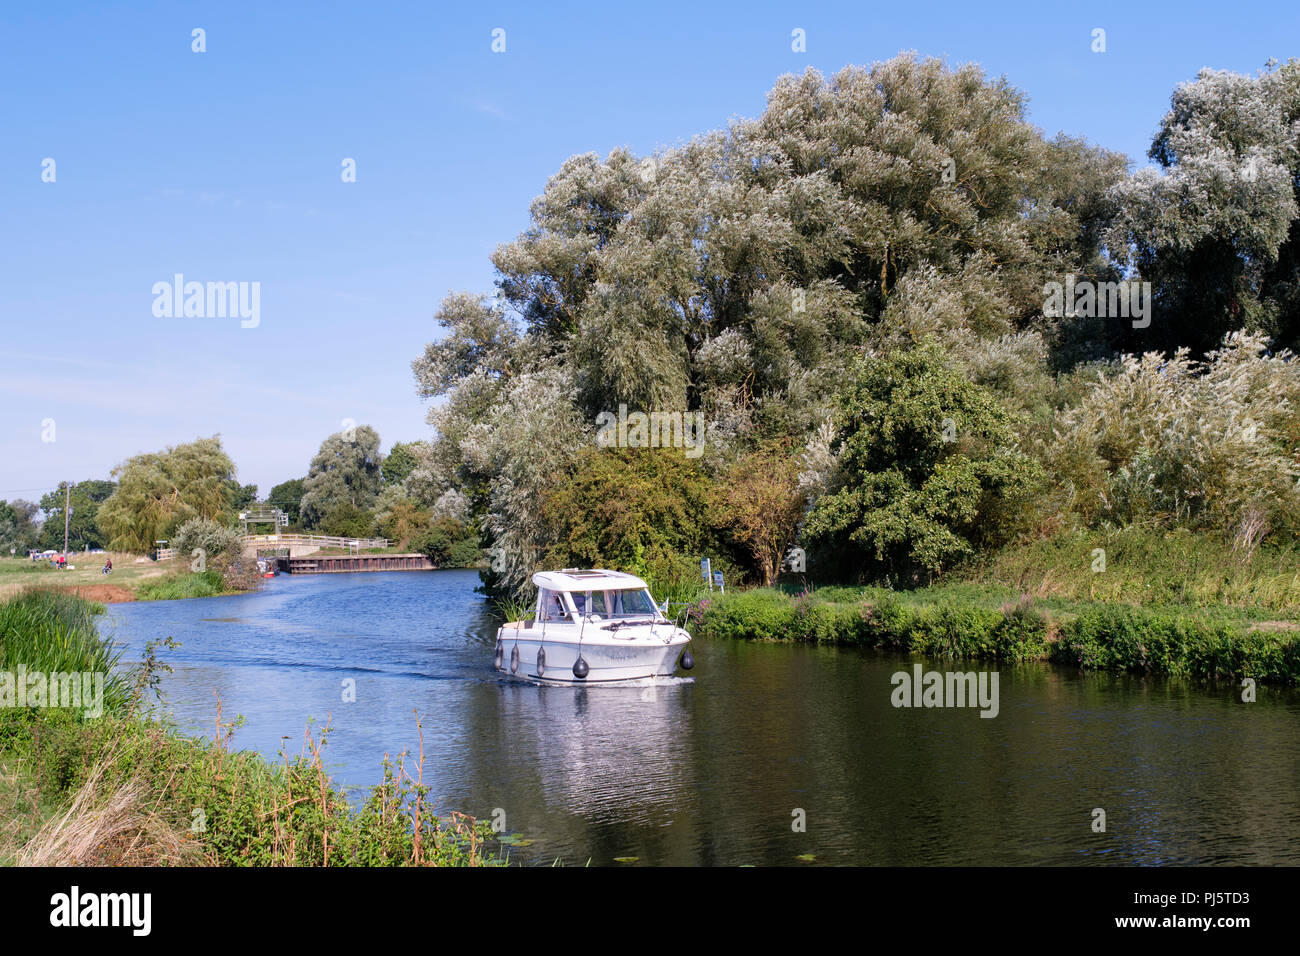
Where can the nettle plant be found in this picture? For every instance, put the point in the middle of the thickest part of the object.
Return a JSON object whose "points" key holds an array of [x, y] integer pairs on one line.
{"points": [[1176, 441]]}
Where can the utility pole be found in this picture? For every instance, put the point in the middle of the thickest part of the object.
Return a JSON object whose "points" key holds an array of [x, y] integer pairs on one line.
{"points": [[67, 511]]}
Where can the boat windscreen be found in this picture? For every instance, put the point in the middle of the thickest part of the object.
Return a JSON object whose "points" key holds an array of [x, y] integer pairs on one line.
{"points": [[629, 603]]}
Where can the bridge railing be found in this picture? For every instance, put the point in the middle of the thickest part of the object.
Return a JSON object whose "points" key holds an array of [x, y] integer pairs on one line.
{"points": [[315, 540]]}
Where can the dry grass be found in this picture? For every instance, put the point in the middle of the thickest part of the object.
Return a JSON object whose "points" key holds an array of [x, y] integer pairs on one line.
{"points": [[22, 812], [109, 826]]}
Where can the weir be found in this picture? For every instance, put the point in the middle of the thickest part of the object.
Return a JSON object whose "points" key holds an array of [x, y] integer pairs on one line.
{"points": [[347, 563]]}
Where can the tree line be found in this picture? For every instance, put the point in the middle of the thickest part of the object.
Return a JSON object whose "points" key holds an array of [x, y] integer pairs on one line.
{"points": [[189, 494], [861, 292]]}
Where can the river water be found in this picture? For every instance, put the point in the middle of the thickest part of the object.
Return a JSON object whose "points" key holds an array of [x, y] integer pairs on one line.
{"points": [[765, 754]]}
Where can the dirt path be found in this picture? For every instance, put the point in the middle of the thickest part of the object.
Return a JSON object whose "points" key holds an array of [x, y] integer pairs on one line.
{"points": [[103, 593]]}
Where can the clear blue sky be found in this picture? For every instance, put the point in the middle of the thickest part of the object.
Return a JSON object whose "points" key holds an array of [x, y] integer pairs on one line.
{"points": [[225, 166]]}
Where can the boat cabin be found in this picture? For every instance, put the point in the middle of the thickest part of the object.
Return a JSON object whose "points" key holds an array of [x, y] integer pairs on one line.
{"points": [[571, 595]]}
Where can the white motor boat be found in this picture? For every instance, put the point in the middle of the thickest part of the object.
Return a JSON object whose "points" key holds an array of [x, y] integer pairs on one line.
{"points": [[592, 627]]}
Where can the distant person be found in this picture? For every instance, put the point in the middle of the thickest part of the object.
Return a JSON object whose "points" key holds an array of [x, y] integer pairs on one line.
{"points": [[108, 565], [63, 563]]}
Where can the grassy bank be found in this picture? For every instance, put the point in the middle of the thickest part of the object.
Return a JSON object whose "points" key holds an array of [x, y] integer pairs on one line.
{"points": [[127, 788], [1147, 567], [84, 575], [133, 579], [1177, 605], [1096, 636]]}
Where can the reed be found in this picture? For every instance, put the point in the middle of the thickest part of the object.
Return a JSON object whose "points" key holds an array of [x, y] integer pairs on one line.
{"points": [[54, 632]]}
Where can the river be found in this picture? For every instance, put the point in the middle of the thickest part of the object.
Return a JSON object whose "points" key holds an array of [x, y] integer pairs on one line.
{"points": [[764, 754]]}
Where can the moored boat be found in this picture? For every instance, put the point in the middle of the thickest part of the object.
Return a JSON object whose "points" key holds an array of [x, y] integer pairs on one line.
{"points": [[589, 627]]}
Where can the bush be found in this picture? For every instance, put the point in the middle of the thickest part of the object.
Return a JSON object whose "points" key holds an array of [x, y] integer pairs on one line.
{"points": [[1021, 634], [465, 553], [433, 543], [346, 520], [928, 471], [750, 615], [209, 548], [1160, 641]]}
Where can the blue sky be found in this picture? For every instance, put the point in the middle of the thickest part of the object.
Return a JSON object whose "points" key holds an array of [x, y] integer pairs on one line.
{"points": [[225, 166]]}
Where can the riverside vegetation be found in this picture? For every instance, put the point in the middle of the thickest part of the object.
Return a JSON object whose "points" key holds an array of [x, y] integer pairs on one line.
{"points": [[128, 788], [1164, 606]]}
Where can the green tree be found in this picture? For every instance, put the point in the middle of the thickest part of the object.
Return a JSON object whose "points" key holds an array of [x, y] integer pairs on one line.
{"points": [[157, 492], [83, 528], [346, 520], [243, 496], [927, 467], [738, 275], [760, 503], [345, 470], [400, 461], [398, 515], [1216, 229], [18, 531], [645, 511]]}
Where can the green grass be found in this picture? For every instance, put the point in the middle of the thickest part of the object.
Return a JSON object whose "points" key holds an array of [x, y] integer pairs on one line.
{"points": [[1147, 567], [24, 809], [54, 632], [195, 584]]}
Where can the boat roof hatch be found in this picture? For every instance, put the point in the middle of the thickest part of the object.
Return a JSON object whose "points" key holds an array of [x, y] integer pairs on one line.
{"points": [[597, 579]]}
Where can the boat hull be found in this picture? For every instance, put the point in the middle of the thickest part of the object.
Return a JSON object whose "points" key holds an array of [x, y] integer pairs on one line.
{"points": [[607, 661]]}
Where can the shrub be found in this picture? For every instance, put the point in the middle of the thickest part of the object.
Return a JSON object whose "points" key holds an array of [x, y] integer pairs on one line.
{"points": [[1021, 634], [750, 615], [928, 471], [465, 553], [434, 543]]}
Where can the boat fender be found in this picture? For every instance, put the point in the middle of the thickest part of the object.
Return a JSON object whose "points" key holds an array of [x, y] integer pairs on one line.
{"points": [[514, 659], [580, 668], [687, 660], [500, 654], [541, 662]]}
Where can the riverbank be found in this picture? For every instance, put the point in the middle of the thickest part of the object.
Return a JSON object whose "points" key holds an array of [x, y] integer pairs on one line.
{"points": [[134, 578], [1178, 605], [123, 787], [958, 623], [84, 576]]}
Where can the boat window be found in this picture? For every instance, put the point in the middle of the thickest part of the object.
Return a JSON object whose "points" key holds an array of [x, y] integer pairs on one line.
{"points": [[599, 604], [631, 603], [551, 606]]}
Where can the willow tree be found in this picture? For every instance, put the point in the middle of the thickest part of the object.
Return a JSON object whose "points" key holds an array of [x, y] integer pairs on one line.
{"points": [[1216, 226], [345, 471], [159, 491]]}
